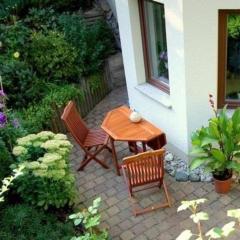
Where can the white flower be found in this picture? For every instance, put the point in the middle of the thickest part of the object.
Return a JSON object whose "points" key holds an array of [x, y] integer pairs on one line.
{"points": [[27, 141], [19, 150], [16, 54], [60, 136], [50, 157], [32, 165], [45, 135]]}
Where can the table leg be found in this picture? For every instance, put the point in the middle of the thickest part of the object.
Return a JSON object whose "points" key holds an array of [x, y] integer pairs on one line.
{"points": [[114, 156]]}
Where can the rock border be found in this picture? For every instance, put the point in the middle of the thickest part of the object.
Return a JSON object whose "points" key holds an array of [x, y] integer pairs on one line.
{"points": [[178, 168]]}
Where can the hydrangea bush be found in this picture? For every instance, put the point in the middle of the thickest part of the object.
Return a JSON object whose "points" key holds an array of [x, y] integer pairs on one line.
{"points": [[47, 180]]}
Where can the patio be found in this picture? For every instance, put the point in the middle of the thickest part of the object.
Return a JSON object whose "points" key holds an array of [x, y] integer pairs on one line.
{"points": [[117, 217]]}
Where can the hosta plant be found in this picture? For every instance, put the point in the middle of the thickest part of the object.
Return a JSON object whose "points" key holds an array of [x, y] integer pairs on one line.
{"points": [[216, 146], [47, 180], [199, 216], [88, 221]]}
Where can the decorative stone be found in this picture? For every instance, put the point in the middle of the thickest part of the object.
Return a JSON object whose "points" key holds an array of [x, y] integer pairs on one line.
{"points": [[193, 177], [169, 157], [206, 178], [181, 176]]}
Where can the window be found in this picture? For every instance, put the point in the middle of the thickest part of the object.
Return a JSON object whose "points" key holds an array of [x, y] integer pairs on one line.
{"points": [[229, 58], [154, 43]]}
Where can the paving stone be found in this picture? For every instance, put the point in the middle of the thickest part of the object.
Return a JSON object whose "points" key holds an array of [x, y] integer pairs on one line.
{"points": [[128, 235], [116, 209]]}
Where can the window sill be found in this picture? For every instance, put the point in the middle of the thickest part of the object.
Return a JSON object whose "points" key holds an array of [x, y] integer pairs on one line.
{"points": [[155, 94]]}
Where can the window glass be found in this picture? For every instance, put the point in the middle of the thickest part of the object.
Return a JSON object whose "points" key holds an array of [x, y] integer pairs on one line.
{"points": [[232, 90], [156, 41]]}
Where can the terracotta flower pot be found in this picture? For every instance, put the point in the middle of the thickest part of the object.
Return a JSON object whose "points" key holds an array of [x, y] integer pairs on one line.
{"points": [[223, 186]]}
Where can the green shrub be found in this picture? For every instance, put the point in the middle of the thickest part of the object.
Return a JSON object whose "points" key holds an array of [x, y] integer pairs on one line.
{"points": [[47, 180], [38, 116], [42, 19], [11, 131], [14, 38], [93, 42], [53, 58], [21, 83], [5, 160], [23, 222]]}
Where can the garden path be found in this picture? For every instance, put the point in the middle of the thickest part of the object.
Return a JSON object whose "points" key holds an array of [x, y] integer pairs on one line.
{"points": [[164, 224]]}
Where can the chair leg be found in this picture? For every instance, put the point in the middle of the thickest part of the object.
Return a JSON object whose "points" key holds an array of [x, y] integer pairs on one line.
{"points": [[166, 194]]}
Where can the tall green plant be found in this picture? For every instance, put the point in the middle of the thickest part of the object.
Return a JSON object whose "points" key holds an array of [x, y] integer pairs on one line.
{"points": [[93, 42], [216, 146]]}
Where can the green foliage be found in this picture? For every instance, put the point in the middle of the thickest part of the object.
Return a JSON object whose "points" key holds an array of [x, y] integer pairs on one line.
{"points": [[216, 146], [47, 180], [14, 38], [234, 26], [5, 160], [7, 181], [21, 83], [23, 222], [198, 217], [90, 220], [38, 116], [52, 57], [11, 131], [93, 42], [42, 19]]}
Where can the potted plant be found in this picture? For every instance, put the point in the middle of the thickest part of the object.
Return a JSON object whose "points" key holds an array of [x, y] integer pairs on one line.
{"points": [[217, 147]]}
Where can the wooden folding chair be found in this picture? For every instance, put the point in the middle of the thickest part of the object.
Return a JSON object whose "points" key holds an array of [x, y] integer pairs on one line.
{"points": [[145, 169], [91, 141]]}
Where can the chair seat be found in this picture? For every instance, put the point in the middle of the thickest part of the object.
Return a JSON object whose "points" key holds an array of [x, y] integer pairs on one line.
{"points": [[95, 137]]}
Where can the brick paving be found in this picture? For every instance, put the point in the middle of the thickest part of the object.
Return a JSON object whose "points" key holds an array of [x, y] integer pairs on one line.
{"points": [[164, 224]]}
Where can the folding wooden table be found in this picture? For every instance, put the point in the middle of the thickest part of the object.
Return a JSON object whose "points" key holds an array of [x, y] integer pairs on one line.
{"points": [[118, 126]]}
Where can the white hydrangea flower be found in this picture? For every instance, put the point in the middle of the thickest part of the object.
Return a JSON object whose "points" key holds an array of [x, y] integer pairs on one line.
{"points": [[40, 173], [33, 165], [56, 144], [44, 135], [50, 157], [27, 141], [60, 136], [19, 150]]}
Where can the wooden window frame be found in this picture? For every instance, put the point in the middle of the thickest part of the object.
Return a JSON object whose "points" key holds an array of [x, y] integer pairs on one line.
{"points": [[163, 86], [222, 59]]}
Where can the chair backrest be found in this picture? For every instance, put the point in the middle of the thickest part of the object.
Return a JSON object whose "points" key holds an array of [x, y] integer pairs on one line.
{"points": [[74, 123], [144, 168]]}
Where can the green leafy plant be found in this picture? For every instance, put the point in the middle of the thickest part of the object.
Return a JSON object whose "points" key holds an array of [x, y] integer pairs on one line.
{"points": [[93, 42], [14, 38], [24, 222], [38, 117], [216, 146], [89, 220], [7, 181], [21, 83], [199, 216], [5, 160], [47, 180], [53, 58], [43, 19]]}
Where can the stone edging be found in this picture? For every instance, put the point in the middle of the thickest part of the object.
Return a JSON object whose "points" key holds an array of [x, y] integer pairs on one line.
{"points": [[178, 168]]}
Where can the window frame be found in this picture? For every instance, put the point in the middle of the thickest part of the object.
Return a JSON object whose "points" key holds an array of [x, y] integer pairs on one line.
{"points": [[149, 78], [222, 58]]}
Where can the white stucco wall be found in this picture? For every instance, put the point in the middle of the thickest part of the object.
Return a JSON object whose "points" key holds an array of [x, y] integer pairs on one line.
{"points": [[192, 39], [172, 121], [201, 55]]}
